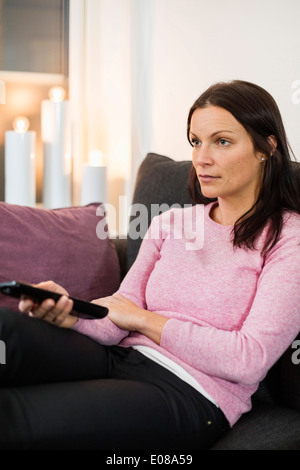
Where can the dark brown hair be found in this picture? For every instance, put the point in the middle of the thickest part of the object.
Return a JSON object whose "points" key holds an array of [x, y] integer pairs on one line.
{"points": [[258, 113]]}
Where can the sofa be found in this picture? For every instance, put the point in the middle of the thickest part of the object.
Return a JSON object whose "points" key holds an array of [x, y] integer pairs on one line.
{"points": [[63, 245]]}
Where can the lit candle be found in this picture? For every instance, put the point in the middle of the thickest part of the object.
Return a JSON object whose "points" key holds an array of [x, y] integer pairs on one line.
{"points": [[56, 137], [20, 186], [94, 179]]}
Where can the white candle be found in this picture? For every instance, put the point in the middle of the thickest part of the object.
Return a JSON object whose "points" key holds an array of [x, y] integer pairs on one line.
{"points": [[20, 185], [94, 180], [56, 137]]}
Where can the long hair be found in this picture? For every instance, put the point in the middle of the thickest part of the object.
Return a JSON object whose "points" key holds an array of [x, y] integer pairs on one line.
{"points": [[258, 113]]}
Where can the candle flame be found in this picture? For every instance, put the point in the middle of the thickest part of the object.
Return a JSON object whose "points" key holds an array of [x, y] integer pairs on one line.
{"points": [[57, 94], [96, 158], [21, 124]]}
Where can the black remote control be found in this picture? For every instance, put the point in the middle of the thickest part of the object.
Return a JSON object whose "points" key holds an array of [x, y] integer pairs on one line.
{"points": [[20, 289]]}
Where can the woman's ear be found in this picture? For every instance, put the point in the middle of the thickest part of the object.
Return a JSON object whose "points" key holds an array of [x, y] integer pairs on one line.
{"points": [[272, 141]]}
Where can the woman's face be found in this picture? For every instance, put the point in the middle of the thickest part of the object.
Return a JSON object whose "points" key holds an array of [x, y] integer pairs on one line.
{"points": [[224, 158]]}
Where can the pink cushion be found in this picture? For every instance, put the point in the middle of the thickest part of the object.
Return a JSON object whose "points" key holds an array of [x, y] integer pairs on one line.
{"points": [[57, 244]]}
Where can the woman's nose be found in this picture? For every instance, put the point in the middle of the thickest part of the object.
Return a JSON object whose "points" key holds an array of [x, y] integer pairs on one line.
{"points": [[202, 156]]}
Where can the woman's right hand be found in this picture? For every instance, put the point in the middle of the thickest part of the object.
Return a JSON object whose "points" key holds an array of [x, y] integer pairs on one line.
{"points": [[56, 313]]}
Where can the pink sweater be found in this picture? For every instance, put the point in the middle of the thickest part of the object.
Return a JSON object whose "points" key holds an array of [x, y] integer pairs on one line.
{"points": [[232, 313]]}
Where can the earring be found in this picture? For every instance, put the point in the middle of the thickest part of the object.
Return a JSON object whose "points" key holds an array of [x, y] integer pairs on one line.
{"points": [[262, 159]]}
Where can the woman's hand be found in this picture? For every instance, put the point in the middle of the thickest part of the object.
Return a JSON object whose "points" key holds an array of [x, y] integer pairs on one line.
{"points": [[57, 313], [127, 315]]}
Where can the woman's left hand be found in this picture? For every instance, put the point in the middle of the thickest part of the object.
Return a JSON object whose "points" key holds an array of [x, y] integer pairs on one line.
{"points": [[122, 311], [129, 316]]}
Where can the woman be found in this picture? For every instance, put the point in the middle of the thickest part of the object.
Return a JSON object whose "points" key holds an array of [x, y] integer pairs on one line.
{"points": [[191, 332]]}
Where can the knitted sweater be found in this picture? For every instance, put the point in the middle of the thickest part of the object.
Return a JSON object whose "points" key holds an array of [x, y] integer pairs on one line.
{"points": [[232, 312]]}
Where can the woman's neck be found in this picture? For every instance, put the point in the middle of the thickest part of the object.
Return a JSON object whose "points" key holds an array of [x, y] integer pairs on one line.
{"points": [[226, 213]]}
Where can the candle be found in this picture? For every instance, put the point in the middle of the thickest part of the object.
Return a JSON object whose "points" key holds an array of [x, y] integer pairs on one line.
{"points": [[94, 180], [56, 138], [20, 185]]}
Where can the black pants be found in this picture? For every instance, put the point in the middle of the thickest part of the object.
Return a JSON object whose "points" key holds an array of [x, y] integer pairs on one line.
{"points": [[61, 390]]}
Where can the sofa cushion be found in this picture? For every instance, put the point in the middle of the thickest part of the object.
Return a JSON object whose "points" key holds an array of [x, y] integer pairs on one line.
{"points": [[282, 384], [285, 377], [161, 182], [265, 427], [58, 244]]}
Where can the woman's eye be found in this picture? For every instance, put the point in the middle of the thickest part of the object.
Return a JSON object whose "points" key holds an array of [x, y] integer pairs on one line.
{"points": [[223, 142], [195, 142]]}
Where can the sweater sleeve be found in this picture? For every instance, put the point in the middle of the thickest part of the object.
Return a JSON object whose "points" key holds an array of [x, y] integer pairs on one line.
{"points": [[135, 282], [133, 287], [272, 324]]}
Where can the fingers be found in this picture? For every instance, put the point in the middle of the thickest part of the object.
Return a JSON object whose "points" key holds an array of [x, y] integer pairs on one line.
{"points": [[44, 309], [52, 286], [110, 298], [26, 305], [48, 310], [103, 301], [55, 312]]}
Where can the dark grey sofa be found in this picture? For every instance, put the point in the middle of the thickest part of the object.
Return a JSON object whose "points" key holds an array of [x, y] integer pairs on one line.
{"points": [[274, 421]]}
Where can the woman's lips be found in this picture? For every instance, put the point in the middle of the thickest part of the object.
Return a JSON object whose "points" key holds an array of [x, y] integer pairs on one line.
{"points": [[207, 178]]}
